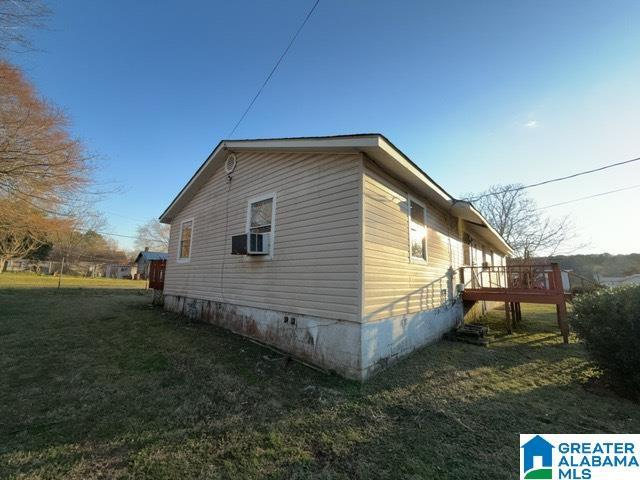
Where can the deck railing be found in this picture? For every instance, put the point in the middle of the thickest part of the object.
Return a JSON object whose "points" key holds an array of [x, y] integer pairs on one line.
{"points": [[515, 284], [513, 277]]}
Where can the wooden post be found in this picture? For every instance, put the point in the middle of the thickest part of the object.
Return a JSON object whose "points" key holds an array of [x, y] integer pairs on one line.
{"points": [[561, 306], [507, 318], [61, 270], [557, 278], [561, 309], [518, 312]]}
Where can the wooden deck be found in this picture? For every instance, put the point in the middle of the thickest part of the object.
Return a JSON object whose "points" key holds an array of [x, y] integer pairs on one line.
{"points": [[516, 284]]}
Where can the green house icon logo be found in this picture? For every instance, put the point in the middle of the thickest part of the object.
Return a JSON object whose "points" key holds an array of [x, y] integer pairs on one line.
{"points": [[537, 447]]}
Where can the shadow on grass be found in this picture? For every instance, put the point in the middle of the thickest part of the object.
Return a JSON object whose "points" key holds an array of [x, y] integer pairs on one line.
{"points": [[98, 381]]}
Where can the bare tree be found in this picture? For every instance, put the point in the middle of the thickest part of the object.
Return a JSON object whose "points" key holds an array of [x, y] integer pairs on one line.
{"points": [[16, 17], [72, 243], [24, 230], [39, 163], [154, 235], [515, 215], [42, 170]]}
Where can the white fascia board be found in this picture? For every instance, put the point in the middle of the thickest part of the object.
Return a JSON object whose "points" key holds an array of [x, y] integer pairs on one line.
{"points": [[407, 165], [168, 214], [468, 212], [327, 144]]}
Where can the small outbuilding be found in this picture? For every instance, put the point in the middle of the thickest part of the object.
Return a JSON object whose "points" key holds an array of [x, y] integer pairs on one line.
{"points": [[143, 262]]}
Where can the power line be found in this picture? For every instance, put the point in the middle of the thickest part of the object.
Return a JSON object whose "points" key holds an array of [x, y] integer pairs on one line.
{"points": [[145, 239], [275, 67], [545, 182], [590, 196], [137, 220], [84, 258], [124, 236], [117, 235]]}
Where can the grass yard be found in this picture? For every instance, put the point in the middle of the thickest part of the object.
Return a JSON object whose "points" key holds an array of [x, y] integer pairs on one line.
{"points": [[31, 280], [96, 383]]}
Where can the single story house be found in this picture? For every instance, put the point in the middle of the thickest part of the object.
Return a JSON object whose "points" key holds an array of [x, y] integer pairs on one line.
{"points": [[143, 262], [339, 250]]}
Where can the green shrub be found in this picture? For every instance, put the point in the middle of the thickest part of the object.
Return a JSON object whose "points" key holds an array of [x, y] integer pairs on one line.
{"points": [[608, 321]]}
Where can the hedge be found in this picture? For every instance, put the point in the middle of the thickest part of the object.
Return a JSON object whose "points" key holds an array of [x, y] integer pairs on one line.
{"points": [[608, 321]]}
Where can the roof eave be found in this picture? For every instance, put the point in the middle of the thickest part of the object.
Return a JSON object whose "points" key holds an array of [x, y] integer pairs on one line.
{"points": [[374, 145], [466, 211]]}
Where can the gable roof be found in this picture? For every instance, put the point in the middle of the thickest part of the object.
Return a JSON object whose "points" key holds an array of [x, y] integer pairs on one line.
{"points": [[374, 145], [148, 256]]}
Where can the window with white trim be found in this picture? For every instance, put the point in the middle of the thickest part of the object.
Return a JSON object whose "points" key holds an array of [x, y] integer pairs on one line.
{"points": [[184, 246], [417, 231], [261, 217]]}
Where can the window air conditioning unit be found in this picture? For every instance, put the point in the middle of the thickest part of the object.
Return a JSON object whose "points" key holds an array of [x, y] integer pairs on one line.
{"points": [[258, 243], [251, 244], [239, 244]]}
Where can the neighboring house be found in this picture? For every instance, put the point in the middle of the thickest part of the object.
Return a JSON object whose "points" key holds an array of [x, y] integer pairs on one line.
{"points": [[339, 250], [17, 265], [21, 265], [618, 281], [117, 270], [143, 261]]}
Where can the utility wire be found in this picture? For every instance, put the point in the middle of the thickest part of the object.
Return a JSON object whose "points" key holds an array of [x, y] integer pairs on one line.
{"points": [[118, 235], [589, 196], [275, 67], [146, 239], [109, 234], [545, 182]]}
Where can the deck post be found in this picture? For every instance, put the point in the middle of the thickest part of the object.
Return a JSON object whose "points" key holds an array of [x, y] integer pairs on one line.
{"points": [[561, 306], [507, 318], [561, 309]]}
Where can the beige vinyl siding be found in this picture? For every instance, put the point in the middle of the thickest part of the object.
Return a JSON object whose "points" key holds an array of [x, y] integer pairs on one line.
{"points": [[315, 269], [394, 284]]}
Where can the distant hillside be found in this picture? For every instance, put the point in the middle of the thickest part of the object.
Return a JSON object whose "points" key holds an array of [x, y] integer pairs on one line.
{"points": [[604, 264]]}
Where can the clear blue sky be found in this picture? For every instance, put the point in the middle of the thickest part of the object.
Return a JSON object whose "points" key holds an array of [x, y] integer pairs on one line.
{"points": [[474, 92]]}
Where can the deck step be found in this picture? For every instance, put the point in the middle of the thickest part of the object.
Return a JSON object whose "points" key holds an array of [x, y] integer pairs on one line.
{"points": [[472, 333]]}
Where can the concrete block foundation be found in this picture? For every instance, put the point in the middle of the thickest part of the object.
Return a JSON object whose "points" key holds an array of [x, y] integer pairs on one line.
{"points": [[352, 349]]}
